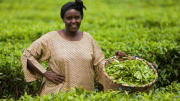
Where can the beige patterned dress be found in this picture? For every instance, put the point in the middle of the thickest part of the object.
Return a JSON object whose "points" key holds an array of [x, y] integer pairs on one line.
{"points": [[75, 60]]}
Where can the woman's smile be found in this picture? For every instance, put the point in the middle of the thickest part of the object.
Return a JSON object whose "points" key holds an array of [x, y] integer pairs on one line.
{"points": [[74, 26]]}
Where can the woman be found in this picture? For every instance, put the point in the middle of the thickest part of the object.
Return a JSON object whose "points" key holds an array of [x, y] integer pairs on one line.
{"points": [[72, 55]]}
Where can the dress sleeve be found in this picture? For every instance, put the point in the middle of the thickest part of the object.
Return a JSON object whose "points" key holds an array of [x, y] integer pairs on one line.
{"points": [[98, 62], [37, 52]]}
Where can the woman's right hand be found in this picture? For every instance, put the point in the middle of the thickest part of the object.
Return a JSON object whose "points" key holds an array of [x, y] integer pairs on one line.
{"points": [[52, 76]]}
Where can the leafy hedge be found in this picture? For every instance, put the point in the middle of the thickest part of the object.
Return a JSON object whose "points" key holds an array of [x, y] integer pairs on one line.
{"points": [[148, 29], [170, 93]]}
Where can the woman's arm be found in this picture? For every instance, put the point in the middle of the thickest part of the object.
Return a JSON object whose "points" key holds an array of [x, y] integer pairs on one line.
{"points": [[37, 52], [32, 68], [52, 76]]}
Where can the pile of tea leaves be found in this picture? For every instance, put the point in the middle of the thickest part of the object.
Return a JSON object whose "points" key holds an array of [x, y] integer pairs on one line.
{"points": [[131, 72]]}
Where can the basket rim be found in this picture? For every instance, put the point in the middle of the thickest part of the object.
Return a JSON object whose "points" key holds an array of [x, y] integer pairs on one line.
{"points": [[142, 86]]}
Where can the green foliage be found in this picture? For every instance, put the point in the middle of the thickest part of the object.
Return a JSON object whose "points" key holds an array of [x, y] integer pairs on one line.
{"points": [[131, 72], [145, 28], [170, 93]]}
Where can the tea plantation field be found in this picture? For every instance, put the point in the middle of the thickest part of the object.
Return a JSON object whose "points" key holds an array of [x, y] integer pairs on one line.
{"points": [[149, 29]]}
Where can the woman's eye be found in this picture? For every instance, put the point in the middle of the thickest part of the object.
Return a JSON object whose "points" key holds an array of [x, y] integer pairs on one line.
{"points": [[68, 18], [77, 17]]}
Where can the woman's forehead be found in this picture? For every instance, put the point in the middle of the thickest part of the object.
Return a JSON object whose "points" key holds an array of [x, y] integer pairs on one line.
{"points": [[72, 12]]}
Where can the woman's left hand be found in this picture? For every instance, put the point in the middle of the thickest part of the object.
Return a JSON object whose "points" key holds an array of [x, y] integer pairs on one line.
{"points": [[119, 54]]}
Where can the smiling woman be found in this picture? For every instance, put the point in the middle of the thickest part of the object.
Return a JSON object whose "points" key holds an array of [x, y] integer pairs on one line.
{"points": [[73, 56]]}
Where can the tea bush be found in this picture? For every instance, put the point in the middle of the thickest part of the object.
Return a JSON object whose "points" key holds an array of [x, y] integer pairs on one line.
{"points": [[145, 28], [170, 93]]}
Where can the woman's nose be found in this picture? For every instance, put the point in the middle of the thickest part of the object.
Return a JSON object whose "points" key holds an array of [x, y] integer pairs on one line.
{"points": [[73, 20]]}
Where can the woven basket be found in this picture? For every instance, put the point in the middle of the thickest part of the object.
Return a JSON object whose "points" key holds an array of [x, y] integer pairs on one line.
{"points": [[110, 85]]}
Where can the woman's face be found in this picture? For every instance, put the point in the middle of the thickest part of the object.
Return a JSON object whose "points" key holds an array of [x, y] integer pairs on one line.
{"points": [[72, 20]]}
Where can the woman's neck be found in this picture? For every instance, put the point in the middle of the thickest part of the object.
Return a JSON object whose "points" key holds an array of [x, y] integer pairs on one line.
{"points": [[70, 34]]}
